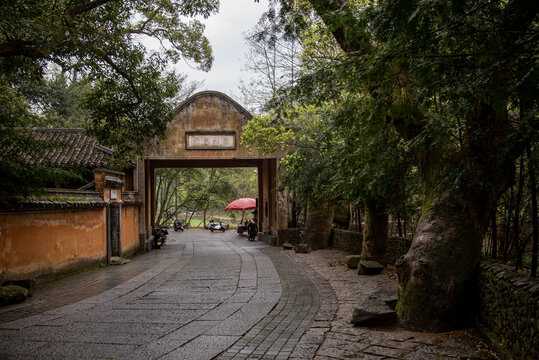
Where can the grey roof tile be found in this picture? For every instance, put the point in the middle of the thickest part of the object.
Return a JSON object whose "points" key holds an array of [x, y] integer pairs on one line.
{"points": [[75, 148]]}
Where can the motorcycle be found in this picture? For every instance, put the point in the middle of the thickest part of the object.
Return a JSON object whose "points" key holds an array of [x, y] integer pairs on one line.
{"points": [[159, 237], [178, 226], [217, 226]]}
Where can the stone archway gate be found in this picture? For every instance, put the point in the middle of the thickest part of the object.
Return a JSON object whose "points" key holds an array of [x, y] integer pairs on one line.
{"points": [[205, 132]]}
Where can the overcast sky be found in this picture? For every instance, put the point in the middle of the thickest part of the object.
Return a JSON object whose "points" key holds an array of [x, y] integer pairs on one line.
{"points": [[224, 31]]}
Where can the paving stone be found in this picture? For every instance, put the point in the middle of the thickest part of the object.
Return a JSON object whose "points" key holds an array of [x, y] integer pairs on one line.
{"points": [[52, 334], [369, 267], [130, 328], [302, 248], [348, 341], [288, 246], [222, 311], [373, 312], [183, 302], [203, 347]]}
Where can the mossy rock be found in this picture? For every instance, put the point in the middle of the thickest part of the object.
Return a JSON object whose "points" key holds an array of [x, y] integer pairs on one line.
{"points": [[302, 248], [352, 261], [28, 284], [11, 294]]}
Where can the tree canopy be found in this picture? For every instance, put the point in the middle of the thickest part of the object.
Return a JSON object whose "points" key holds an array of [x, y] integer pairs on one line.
{"points": [[129, 92], [449, 85]]}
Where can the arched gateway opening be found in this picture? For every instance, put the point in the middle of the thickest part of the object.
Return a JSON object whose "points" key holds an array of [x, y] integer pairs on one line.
{"points": [[205, 133]]}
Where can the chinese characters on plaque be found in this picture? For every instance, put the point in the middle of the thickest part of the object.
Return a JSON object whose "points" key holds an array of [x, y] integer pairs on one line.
{"points": [[210, 141]]}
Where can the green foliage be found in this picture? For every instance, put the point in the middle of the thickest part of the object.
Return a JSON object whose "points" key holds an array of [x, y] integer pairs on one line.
{"points": [[57, 100], [266, 135], [125, 91], [341, 146], [434, 70], [183, 192]]}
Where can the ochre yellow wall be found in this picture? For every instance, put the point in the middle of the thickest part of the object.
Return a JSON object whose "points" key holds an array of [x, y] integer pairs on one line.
{"points": [[34, 244], [130, 227]]}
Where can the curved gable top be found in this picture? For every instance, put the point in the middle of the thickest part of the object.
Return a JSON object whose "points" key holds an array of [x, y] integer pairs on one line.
{"points": [[210, 93], [208, 125]]}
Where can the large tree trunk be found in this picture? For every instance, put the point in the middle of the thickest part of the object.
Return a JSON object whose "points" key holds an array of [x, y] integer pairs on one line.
{"points": [[318, 225], [436, 279], [375, 237]]}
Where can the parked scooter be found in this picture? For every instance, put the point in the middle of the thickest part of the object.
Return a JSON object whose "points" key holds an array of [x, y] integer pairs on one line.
{"points": [[217, 226], [178, 226], [159, 237]]}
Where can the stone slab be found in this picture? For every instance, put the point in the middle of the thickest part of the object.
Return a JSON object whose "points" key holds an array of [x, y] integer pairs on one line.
{"points": [[288, 246], [352, 261], [302, 248], [369, 267], [373, 312]]}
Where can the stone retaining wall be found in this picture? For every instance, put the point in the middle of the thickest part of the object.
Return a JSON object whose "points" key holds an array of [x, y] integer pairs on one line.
{"points": [[349, 241], [294, 235], [396, 247], [508, 308]]}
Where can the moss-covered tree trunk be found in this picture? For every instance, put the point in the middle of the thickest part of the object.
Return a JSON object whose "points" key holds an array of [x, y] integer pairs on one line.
{"points": [[436, 276], [436, 282], [318, 225], [375, 236]]}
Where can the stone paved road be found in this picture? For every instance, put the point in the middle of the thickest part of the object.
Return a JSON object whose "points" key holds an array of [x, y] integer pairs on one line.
{"points": [[208, 295], [217, 296]]}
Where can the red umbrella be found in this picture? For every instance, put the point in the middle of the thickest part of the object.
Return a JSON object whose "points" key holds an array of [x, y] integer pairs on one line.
{"points": [[242, 204]]}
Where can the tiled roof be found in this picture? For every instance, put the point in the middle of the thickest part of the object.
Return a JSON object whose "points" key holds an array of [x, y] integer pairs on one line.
{"points": [[75, 148]]}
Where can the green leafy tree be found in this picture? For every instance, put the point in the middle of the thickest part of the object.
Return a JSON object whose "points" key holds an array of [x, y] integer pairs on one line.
{"points": [[370, 167], [57, 100], [128, 93], [184, 192], [457, 82], [333, 143]]}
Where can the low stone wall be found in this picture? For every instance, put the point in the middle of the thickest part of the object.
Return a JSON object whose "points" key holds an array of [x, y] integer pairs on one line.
{"points": [[508, 308], [396, 247], [349, 241], [294, 235], [268, 239]]}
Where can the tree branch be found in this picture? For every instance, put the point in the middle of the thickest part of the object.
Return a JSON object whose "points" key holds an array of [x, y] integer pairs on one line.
{"points": [[89, 6], [23, 48], [126, 76]]}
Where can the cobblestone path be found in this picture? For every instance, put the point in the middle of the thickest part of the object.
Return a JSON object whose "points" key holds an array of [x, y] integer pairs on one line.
{"points": [[217, 296], [208, 295], [79, 287], [276, 336]]}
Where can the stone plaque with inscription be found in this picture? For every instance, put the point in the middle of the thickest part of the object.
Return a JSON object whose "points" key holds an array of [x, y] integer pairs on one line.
{"points": [[210, 141]]}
